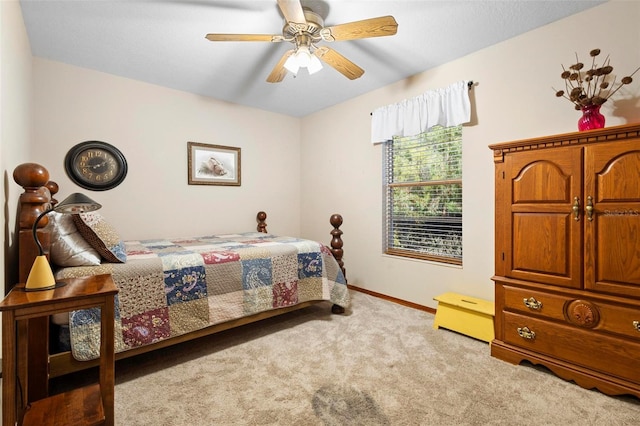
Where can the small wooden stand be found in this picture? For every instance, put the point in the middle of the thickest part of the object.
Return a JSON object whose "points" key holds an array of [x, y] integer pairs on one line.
{"points": [[467, 315], [90, 405]]}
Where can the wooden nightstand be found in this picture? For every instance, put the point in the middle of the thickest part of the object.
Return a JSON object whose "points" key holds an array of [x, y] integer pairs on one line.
{"points": [[88, 405]]}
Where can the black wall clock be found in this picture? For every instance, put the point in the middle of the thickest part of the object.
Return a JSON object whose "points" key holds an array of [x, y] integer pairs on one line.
{"points": [[95, 165]]}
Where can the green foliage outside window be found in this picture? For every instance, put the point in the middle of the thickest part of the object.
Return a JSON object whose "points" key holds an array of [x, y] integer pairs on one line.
{"points": [[423, 191]]}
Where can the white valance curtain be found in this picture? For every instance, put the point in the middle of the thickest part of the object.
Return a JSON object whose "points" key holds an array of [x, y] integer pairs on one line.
{"points": [[449, 106]]}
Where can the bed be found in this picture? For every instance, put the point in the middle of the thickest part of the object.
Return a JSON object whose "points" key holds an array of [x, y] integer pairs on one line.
{"points": [[170, 290]]}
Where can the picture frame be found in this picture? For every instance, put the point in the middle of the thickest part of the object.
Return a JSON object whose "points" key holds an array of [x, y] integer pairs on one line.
{"points": [[213, 164]]}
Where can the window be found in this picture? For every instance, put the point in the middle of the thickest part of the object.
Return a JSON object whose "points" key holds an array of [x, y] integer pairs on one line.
{"points": [[423, 195]]}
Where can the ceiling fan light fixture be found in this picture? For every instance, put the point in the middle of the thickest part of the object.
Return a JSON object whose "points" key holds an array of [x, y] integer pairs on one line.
{"points": [[303, 56], [292, 65], [315, 65]]}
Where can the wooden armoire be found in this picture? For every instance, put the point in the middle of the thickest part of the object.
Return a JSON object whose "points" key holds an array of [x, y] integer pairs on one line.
{"points": [[567, 256]]}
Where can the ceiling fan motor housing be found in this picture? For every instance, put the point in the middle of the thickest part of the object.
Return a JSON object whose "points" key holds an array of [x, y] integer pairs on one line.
{"points": [[312, 27]]}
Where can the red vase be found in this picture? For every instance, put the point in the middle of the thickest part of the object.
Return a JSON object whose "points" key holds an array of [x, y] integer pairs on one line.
{"points": [[591, 118]]}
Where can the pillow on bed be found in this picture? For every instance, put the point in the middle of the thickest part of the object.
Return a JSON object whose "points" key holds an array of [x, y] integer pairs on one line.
{"points": [[68, 247], [102, 236]]}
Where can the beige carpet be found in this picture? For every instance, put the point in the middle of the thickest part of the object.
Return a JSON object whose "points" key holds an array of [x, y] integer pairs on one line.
{"points": [[381, 364]]}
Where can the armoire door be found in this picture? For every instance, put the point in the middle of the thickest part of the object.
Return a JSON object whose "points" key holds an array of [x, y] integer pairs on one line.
{"points": [[544, 217], [612, 236]]}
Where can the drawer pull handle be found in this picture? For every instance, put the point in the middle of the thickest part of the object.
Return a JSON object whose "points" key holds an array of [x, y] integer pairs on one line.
{"points": [[636, 325], [527, 334], [532, 303]]}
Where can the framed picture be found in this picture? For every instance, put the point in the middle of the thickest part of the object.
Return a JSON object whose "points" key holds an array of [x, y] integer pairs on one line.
{"points": [[213, 164]]}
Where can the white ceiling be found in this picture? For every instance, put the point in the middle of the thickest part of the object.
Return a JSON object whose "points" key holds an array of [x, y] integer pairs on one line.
{"points": [[163, 42]]}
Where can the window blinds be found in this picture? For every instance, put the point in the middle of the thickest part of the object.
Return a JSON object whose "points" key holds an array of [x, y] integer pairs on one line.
{"points": [[423, 195]]}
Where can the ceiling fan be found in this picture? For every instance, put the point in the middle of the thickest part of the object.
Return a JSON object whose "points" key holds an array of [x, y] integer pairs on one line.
{"points": [[304, 28]]}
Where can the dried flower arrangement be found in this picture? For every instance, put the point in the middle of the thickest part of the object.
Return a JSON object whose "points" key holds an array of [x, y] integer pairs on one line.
{"points": [[593, 86]]}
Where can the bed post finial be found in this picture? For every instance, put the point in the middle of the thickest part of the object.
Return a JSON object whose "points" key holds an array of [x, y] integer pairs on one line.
{"points": [[336, 249], [336, 241], [262, 225], [33, 201], [53, 190]]}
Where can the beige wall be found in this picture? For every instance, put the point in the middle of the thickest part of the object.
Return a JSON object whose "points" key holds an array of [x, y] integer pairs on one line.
{"points": [[15, 124], [151, 125], [302, 170], [512, 100]]}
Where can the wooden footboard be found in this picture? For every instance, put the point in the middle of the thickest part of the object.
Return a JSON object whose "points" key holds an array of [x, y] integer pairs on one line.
{"points": [[36, 198]]}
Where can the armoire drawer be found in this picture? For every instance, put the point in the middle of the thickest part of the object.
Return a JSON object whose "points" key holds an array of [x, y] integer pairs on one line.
{"points": [[601, 352], [535, 302], [588, 313], [620, 320]]}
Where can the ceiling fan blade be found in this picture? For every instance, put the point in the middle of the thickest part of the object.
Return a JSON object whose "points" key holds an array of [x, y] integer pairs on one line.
{"points": [[279, 71], [244, 37], [374, 27], [292, 11], [339, 62]]}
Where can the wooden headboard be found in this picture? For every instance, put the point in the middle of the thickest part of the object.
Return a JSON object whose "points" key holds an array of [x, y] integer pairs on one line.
{"points": [[39, 194]]}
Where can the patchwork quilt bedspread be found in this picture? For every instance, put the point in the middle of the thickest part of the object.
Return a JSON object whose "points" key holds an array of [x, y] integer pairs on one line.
{"points": [[172, 287]]}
